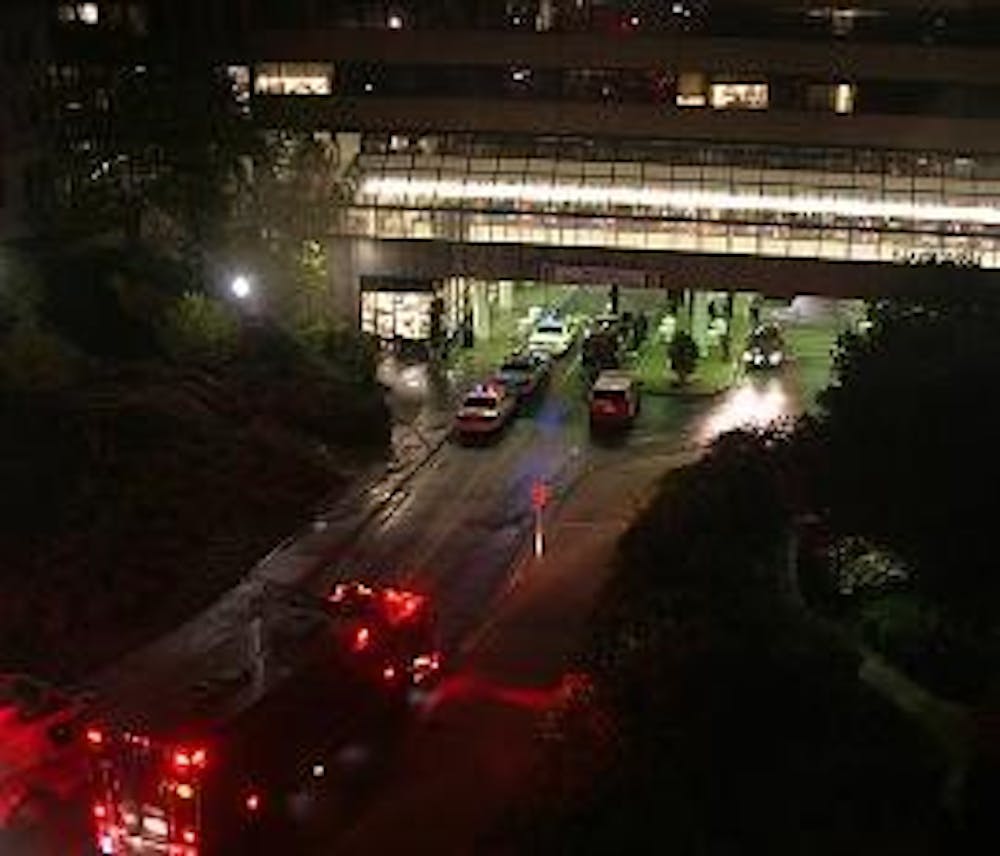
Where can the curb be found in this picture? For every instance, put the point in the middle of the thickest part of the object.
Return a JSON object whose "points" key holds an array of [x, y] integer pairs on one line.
{"points": [[431, 448]]}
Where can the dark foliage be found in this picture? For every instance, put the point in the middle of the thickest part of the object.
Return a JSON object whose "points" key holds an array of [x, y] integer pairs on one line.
{"points": [[742, 728], [909, 427]]}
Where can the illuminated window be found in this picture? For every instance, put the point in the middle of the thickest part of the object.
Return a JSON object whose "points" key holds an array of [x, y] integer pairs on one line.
{"points": [[293, 78], [83, 13], [843, 98], [739, 96], [691, 89]]}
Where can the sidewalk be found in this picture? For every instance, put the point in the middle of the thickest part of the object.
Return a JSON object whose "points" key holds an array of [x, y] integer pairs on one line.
{"points": [[473, 754]]}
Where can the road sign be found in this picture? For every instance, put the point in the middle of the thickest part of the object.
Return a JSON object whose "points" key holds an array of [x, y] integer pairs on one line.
{"points": [[539, 494]]}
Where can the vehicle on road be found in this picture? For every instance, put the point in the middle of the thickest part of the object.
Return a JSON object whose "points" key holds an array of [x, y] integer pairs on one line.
{"points": [[614, 400], [485, 410], [553, 336], [601, 351], [247, 761], [525, 373], [39, 762], [765, 348]]}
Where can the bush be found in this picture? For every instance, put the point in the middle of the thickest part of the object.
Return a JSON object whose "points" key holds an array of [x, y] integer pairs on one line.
{"points": [[200, 330], [32, 359], [683, 353]]}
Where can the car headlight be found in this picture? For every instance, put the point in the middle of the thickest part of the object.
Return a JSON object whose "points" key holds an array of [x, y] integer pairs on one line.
{"points": [[774, 358], [747, 356]]}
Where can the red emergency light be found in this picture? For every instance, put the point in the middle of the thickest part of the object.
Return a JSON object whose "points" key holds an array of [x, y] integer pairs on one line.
{"points": [[187, 760], [362, 638]]}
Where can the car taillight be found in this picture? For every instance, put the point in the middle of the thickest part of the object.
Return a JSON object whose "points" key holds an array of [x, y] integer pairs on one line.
{"points": [[252, 802], [100, 811], [95, 737], [389, 674], [189, 836]]}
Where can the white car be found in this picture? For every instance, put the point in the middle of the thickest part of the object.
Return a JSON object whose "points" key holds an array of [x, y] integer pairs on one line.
{"points": [[551, 336], [485, 410]]}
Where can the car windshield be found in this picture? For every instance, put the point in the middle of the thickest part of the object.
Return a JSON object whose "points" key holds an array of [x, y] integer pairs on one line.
{"points": [[518, 367], [609, 394], [480, 401], [556, 329]]}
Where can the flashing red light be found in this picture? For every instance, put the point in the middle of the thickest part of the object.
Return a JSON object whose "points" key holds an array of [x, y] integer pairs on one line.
{"points": [[189, 836], [95, 737], [389, 673], [100, 811], [185, 760], [361, 639], [185, 791], [400, 606], [253, 802]]}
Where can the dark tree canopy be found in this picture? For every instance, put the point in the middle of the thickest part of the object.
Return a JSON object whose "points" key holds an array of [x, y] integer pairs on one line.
{"points": [[911, 425]]}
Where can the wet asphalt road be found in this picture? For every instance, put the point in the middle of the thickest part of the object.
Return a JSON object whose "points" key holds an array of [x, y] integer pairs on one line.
{"points": [[457, 527]]}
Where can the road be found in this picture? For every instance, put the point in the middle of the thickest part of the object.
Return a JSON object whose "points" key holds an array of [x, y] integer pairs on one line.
{"points": [[459, 527]]}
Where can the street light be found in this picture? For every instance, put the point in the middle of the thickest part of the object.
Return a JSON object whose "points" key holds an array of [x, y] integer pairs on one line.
{"points": [[240, 287]]}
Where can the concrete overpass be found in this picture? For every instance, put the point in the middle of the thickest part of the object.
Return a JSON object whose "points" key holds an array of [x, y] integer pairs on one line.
{"points": [[686, 218]]}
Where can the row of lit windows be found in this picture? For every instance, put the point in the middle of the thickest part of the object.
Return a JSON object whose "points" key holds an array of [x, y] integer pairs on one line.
{"points": [[684, 89], [785, 240], [649, 154]]}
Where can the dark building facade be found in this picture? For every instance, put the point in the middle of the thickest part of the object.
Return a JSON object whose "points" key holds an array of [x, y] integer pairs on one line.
{"points": [[492, 138]]}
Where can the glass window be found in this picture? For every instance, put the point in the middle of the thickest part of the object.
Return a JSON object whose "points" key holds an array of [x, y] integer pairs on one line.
{"points": [[691, 87], [739, 96], [293, 78]]}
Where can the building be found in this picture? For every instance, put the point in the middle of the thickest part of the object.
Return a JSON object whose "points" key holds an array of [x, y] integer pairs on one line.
{"points": [[24, 49], [762, 144]]}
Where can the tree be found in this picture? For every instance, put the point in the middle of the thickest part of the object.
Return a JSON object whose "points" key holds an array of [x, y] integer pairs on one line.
{"points": [[683, 354], [200, 330], [909, 426], [166, 159]]}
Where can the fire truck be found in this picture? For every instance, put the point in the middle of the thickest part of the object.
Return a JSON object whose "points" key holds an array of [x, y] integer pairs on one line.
{"points": [[252, 759]]}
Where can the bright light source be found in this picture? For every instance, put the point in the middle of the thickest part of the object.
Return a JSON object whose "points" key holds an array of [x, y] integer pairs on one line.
{"points": [[843, 98], [189, 836], [395, 21], [665, 197], [389, 673], [634, 21], [100, 811], [185, 791], [87, 13], [369, 87], [318, 771], [361, 639], [240, 287], [520, 75], [253, 802], [95, 737]]}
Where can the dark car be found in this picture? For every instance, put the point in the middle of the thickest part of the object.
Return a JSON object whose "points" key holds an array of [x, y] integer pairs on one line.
{"points": [[765, 348], [525, 373]]}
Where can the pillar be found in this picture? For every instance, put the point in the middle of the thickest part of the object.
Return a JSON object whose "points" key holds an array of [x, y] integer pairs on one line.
{"points": [[345, 285], [699, 319], [506, 294], [481, 321]]}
